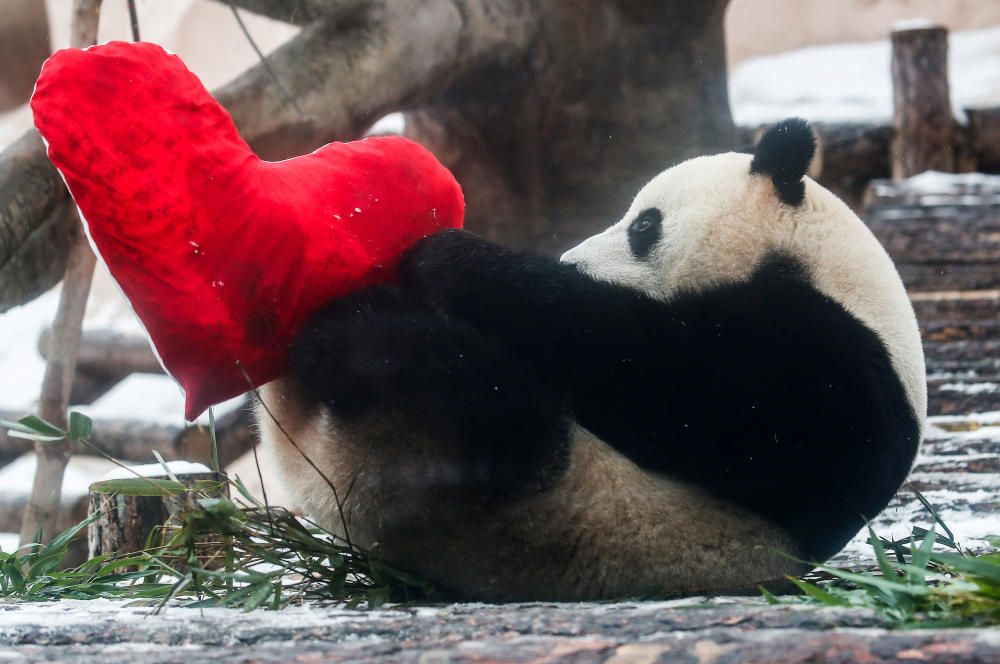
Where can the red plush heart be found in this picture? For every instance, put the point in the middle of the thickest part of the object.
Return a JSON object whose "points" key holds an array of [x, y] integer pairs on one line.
{"points": [[223, 255]]}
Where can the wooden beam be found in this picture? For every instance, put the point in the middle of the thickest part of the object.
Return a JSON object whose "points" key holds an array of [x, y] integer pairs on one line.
{"points": [[109, 352], [943, 231], [133, 440]]}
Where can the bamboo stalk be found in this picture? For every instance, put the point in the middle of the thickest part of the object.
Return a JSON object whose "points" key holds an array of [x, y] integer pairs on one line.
{"points": [[41, 512]]}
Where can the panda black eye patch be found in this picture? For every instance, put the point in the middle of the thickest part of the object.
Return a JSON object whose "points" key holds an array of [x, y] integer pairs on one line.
{"points": [[644, 232]]}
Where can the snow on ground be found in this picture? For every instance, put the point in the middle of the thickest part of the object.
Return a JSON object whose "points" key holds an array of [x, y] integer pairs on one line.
{"points": [[853, 82]]}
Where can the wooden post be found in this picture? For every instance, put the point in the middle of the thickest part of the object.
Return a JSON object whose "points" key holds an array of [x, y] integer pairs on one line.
{"points": [[984, 137], [922, 118]]}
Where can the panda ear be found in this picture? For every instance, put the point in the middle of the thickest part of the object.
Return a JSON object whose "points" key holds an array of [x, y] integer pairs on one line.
{"points": [[784, 154]]}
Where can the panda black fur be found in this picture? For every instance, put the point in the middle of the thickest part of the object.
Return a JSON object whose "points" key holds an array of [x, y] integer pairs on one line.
{"points": [[731, 373]]}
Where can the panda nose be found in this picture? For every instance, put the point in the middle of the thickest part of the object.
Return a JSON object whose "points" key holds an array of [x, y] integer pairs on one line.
{"points": [[571, 256]]}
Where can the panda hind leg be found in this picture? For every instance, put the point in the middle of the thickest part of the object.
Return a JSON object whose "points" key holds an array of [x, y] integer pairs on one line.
{"points": [[415, 382]]}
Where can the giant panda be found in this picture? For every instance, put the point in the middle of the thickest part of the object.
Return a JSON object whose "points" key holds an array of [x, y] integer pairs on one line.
{"points": [[725, 382]]}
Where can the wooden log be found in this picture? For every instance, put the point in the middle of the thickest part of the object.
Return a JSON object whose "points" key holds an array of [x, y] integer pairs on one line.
{"points": [[89, 386], [127, 517], [922, 116], [943, 231], [956, 306], [134, 440], [104, 359], [958, 396], [109, 352], [962, 353], [853, 156]]}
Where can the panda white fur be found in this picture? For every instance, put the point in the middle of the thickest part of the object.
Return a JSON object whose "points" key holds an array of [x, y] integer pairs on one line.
{"points": [[730, 374]]}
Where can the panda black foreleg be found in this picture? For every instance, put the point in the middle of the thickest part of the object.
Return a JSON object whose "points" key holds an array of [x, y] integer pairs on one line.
{"points": [[381, 355]]}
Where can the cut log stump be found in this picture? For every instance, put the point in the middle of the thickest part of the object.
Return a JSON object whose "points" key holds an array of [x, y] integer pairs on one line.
{"points": [[134, 503]]}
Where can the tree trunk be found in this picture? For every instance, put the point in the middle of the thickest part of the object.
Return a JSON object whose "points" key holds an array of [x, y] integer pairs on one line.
{"points": [[925, 128], [551, 146]]}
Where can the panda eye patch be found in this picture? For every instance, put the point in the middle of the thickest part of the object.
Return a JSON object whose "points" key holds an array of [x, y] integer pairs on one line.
{"points": [[644, 232]]}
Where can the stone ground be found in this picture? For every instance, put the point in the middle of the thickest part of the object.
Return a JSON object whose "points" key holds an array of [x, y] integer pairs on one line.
{"points": [[72, 631]]}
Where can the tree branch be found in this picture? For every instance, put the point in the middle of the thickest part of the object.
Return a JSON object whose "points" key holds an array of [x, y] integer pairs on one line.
{"points": [[352, 68], [109, 351], [296, 12], [34, 204], [43, 505]]}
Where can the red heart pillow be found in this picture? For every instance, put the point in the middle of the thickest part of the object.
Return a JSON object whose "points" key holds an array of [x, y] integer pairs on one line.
{"points": [[223, 255]]}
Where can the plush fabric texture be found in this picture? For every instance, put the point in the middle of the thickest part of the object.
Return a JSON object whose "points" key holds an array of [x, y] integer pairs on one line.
{"points": [[221, 254]]}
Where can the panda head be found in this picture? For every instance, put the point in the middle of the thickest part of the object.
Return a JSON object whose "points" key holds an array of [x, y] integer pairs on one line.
{"points": [[709, 219], [713, 220]]}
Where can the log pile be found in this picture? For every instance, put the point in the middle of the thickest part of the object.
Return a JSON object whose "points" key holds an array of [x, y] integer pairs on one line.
{"points": [[943, 232]]}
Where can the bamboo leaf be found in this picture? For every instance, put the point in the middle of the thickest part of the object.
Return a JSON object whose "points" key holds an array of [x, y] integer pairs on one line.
{"points": [[166, 468], [818, 593], [62, 540], [980, 567], [930, 508], [37, 437], [768, 596], [80, 426], [35, 424], [139, 486], [884, 563], [214, 441]]}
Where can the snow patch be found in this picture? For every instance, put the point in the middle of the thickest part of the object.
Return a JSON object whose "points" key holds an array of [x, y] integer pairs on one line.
{"points": [[853, 82], [913, 24], [9, 542], [971, 388], [156, 470]]}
